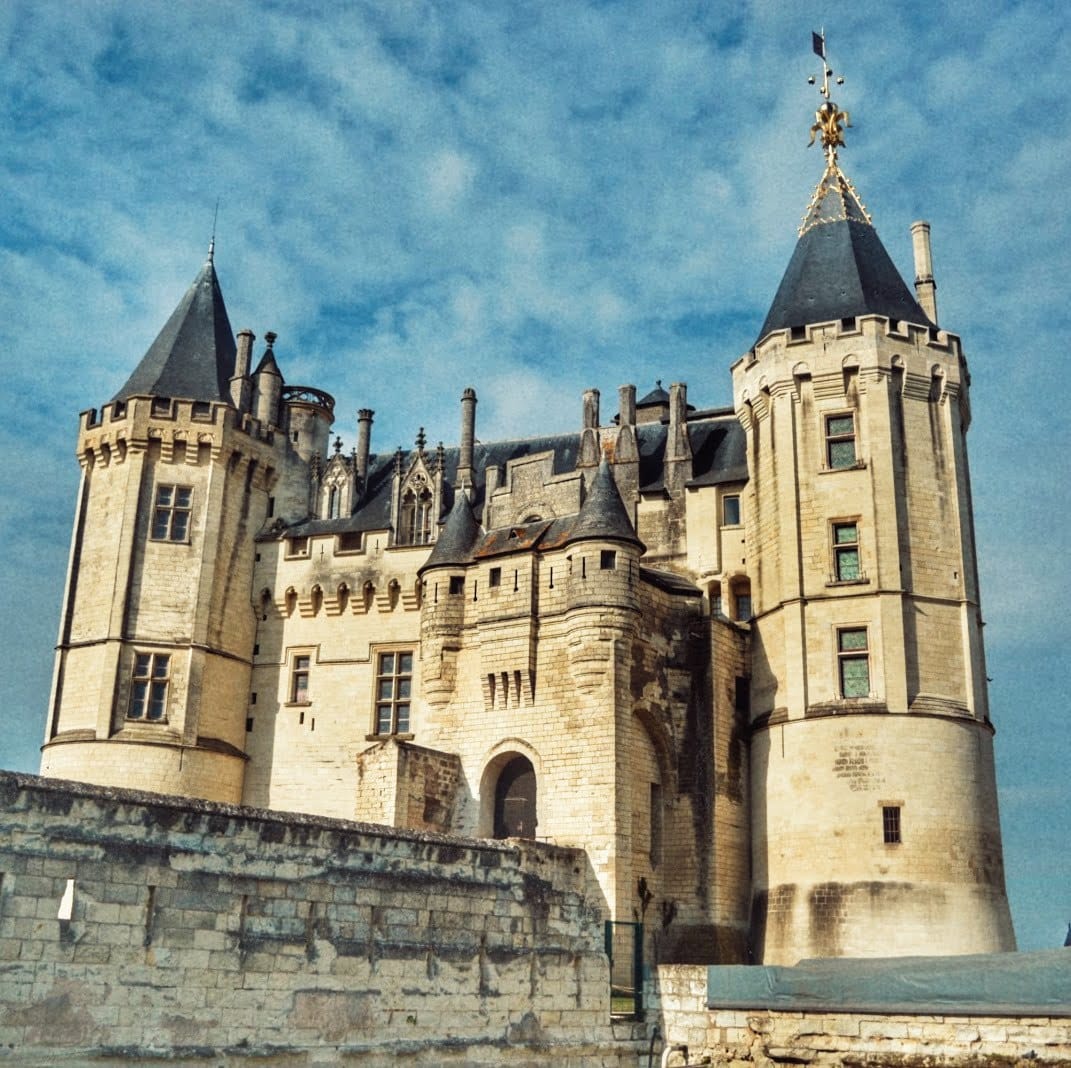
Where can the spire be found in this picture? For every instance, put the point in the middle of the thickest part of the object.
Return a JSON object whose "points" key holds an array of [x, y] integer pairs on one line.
{"points": [[603, 515], [458, 537], [839, 268], [194, 354]]}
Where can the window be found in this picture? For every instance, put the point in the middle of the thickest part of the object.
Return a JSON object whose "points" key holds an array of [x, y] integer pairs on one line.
{"points": [[297, 546], [846, 552], [457, 585], [416, 517], [607, 559], [743, 607], [730, 511], [171, 513], [148, 693], [394, 682], [494, 580], [890, 824], [840, 441], [299, 681], [333, 505], [853, 662]]}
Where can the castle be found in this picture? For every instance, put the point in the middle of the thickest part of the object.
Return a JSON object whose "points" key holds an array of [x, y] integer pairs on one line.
{"points": [[735, 655]]}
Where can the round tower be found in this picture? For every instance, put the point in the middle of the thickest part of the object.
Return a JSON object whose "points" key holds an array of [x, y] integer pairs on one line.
{"points": [[874, 814], [151, 679]]}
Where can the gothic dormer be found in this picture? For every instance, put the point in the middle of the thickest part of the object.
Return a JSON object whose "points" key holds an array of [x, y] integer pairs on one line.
{"points": [[337, 492], [418, 495]]}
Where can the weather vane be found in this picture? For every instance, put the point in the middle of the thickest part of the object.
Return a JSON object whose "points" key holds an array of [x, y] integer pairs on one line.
{"points": [[828, 117]]}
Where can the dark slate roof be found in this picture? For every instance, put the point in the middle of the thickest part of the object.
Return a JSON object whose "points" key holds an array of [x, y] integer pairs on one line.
{"points": [[839, 268], [461, 532], [603, 514], [717, 446], [657, 396], [193, 356]]}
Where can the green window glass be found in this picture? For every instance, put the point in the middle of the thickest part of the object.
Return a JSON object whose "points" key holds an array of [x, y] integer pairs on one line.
{"points": [[840, 441], [853, 662], [846, 552]]}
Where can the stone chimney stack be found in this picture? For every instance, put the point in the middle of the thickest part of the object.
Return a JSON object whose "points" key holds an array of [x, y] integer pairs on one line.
{"points": [[364, 441], [241, 383], [925, 286], [626, 400], [678, 462], [590, 453], [468, 437]]}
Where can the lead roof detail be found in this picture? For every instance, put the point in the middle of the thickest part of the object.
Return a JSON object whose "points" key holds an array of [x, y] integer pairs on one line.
{"points": [[193, 356]]}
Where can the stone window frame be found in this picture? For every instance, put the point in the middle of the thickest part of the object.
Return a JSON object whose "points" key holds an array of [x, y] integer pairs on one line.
{"points": [[150, 687], [841, 550], [834, 437], [892, 822], [726, 508], [172, 513], [607, 559], [298, 682], [848, 654]]}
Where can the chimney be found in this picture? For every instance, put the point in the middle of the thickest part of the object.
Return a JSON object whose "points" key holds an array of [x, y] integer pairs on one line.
{"points": [[241, 384], [925, 286], [590, 453], [468, 436], [626, 400], [364, 440]]}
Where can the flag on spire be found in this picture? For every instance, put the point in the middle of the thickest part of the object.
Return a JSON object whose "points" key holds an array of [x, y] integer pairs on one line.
{"points": [[818, 43]]}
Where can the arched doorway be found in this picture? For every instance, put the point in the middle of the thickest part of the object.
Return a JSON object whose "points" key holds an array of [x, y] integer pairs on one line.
{"points": [[515, 800]]}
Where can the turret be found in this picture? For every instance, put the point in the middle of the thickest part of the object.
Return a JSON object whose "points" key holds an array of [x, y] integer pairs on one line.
{"points": [[152, 661], [874, 812], [267, 385]]}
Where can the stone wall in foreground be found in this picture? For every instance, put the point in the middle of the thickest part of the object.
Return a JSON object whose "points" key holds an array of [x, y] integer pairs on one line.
{"points": [[890, 1040], [204, 933]]}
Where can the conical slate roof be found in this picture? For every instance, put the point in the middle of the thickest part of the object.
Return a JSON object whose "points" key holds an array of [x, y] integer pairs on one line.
{"points": [[458, 537], [839, 268], [603, 514], [194, 355]]}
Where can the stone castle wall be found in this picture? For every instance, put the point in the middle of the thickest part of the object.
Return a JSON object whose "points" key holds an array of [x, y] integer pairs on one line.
{"points": [[199, 930], [894, 1040]]}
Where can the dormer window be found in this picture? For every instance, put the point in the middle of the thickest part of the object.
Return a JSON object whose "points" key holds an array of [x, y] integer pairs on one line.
{"points": [[415, 527]]}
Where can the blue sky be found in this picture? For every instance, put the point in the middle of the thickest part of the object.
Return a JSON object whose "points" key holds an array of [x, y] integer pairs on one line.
{"points": [[535, 198]]}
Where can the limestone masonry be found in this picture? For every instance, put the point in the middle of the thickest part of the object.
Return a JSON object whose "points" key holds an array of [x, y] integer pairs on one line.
{"points": [[729, 660]]}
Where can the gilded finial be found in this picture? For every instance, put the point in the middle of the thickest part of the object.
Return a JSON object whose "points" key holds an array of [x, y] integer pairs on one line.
{"points": [[829, 119]]}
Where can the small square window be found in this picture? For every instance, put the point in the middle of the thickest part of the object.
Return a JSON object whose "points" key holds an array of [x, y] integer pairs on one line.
{"points": [[607, 560], [846, 552], [297, 546], [840, 441], [149, 685], [171, 513], [730, 511], [394, 685], [494, 580], [457, 585], [853, 662], [890, 824]]}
